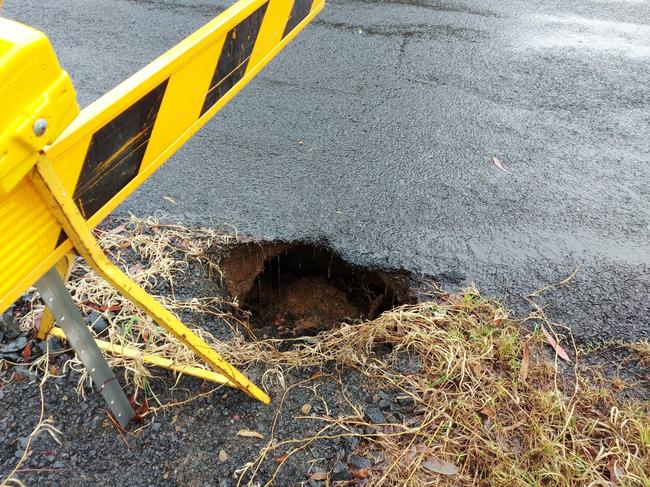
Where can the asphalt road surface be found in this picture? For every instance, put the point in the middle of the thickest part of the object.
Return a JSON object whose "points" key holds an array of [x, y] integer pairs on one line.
{"points": [[376, 129]]}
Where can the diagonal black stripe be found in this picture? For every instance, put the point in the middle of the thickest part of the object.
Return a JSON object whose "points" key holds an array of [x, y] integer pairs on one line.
{"points": [[62, 238], [233, 60], [116, 151], [299, 11]]}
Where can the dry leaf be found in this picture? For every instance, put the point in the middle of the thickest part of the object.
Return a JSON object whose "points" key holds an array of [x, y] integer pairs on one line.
{"points": [[476, 367], [319, 476], [114, 308], [250, 434], [414, 420], [18, 377], [489, 412], [525, 359], [38, 316], [170, 199], [362, 473], [556, 346], [146, 333], [498, 164], [135, 269], [440, 466]]}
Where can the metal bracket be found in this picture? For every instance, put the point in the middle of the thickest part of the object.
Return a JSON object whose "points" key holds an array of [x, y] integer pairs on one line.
{"points": [[155, 360], [60, 303]]}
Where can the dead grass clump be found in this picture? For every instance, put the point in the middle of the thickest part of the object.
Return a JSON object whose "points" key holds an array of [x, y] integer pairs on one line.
{"points": [[642, 351], [154, 255], [490, 405]]}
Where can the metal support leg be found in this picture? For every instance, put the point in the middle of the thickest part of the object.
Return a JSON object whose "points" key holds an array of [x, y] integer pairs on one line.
{"points": [[60, 303], [63, 267]]}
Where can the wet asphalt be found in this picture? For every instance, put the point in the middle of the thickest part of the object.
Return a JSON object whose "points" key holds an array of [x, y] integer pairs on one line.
{"points": [[376, 128]]}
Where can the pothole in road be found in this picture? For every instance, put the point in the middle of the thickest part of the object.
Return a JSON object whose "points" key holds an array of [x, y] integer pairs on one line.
{"points": [[296, 288]]}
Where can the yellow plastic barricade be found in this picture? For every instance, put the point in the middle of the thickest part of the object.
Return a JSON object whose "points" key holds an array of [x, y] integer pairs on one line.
{"points": [[62, 171]]}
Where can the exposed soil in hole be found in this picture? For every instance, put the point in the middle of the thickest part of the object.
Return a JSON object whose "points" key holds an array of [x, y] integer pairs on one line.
{"points": [[300, 289]]}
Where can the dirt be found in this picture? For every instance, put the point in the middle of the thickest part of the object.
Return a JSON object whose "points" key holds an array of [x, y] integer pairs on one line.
{"points": [[294, 288], [243, 263], [307, 304]]}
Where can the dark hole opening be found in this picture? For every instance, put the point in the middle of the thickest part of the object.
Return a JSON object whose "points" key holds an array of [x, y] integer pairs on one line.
{"points": [[298, 289]]}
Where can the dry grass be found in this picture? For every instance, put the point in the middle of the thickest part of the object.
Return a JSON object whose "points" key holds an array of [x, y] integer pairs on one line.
{"points": [[488, 401], [150, 253], [491, 405], [45, 425]]}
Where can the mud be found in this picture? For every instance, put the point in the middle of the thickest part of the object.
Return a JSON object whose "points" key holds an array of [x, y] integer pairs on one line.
{"points": [[297, 288]]}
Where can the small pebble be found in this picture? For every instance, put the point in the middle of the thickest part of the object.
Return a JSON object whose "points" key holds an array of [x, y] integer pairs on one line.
{"points": [[306, 409], [375, 415], [359, 462], [97, 322]]}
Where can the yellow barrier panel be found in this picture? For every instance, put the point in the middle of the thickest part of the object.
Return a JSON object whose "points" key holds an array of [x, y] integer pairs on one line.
{"points": [[37, 99], [122, 138]]}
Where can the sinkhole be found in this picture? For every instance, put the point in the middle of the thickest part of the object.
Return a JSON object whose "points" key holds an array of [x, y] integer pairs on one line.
{"points": [[297, 288]]}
